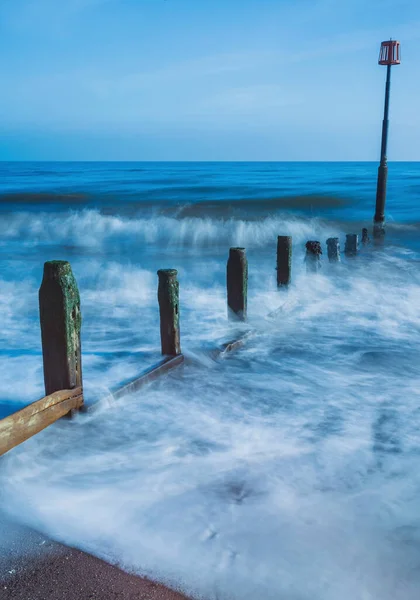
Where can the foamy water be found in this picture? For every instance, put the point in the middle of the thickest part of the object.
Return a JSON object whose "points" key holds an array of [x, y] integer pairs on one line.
{"points": [[286, 470]]}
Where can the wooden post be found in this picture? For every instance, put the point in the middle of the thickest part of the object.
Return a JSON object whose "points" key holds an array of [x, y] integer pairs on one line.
{"points": [[313, 256], [168, 296], [333, 248], [365, 236], [237, 284], [284, 260], [352, 243], [60, 316]]}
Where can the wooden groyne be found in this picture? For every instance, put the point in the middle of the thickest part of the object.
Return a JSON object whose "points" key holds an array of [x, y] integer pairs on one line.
{"points": [[61, 322], [28, 421]]}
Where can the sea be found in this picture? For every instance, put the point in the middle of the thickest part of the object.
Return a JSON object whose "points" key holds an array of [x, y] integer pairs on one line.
{"points": [[286, 470]]}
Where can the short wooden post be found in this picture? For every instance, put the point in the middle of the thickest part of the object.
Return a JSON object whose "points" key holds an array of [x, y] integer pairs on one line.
{"points": [[313, 256], [168, 296], [284, 260], [61, 320], [333, 249], [237, 284], [365, 236], [352, 243]]}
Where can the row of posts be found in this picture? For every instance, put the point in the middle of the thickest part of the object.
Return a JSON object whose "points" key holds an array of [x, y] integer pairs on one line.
{"points": [[237, 266], [351, 248], [61, 319]]}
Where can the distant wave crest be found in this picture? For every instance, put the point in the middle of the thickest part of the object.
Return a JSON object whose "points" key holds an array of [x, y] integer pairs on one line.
{"points": [[185, 201], [89, 228]]}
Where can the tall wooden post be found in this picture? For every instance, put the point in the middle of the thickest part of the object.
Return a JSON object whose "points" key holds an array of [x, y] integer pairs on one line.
{"points": [[237, 284], [60, 316], [284, 260], [333, 249], [313, 256], [168, 296]]}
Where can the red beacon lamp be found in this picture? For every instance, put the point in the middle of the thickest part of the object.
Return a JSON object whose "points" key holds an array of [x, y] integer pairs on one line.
{"points": [[389, 55]]}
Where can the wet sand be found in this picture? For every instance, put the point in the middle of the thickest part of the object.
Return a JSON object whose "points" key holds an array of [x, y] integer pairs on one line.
{"points": [[35, 568]]}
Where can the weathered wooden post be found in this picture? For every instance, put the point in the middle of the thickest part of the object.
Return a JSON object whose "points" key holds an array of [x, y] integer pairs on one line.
{"points": [[284, 260], [333, 249], [313, 256], [352, 243], [237, 284], [168, 296], [365, 236], [60, 316]]}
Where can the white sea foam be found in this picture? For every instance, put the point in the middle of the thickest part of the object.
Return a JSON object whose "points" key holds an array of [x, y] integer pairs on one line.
{"points": [[287, 470], [89, 229]]}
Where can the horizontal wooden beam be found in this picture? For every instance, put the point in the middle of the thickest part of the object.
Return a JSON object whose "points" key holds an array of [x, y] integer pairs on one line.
{"points": [[233, 345], [28, 421], [148, 375]]}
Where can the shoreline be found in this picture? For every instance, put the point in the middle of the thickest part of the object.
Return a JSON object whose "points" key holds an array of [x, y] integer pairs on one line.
{"points": [[38, 568]]}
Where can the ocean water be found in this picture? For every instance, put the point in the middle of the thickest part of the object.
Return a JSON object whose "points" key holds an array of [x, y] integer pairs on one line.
{"points": [[287, 470]]}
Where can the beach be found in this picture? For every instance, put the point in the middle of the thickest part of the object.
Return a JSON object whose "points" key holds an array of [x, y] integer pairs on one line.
{"points": [[36, 568]]}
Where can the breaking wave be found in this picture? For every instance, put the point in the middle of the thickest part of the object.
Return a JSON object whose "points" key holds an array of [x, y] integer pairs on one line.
{"points": [[91, 229]]}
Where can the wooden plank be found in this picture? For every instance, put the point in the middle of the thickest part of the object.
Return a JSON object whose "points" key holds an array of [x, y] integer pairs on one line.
{"points": [[233, 345], [28, 421], [149, 375], [43, 404]]}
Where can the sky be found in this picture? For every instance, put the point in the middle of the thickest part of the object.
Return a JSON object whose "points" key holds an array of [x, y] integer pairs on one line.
{"points": [[206, 79]]}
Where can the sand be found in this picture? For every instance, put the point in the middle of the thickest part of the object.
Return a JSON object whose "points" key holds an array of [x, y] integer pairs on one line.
{"points": [[33, 567]]}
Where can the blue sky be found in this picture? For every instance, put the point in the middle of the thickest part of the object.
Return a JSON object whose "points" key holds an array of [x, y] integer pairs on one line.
{"points": [[206, 79]]}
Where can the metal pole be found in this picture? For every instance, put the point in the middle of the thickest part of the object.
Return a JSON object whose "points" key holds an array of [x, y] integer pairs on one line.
{"points": [[379, 219]]}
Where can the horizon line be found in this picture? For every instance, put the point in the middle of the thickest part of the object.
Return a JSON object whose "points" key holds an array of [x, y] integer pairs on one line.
{"points": [[197, 161]]}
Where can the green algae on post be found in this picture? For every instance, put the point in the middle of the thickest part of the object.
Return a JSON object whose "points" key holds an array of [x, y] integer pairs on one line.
{"points": [[168, 297], [61, 320]]}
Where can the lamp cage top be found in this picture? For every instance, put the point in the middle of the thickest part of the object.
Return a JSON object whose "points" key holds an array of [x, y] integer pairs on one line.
{"points": [[390, 53]]}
